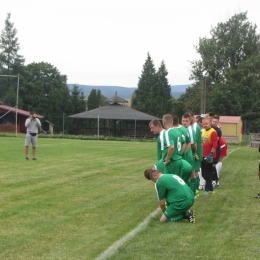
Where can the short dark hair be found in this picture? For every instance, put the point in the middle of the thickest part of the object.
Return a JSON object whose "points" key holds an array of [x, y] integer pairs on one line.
{"points": [[216, 116], [186, 115], [200, 119], [175, 120], [211, 114], [155, 122], [149, 173]]}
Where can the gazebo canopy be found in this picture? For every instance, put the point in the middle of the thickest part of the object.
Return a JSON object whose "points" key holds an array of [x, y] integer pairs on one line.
{"points": [[116, 99], [115, 112]]}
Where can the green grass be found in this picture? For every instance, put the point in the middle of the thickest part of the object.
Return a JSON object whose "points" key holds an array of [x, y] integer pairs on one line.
{"points": [[81, 196]]}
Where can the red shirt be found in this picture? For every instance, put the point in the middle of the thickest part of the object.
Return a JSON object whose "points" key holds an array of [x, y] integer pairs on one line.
{"points": [[209, 141]]}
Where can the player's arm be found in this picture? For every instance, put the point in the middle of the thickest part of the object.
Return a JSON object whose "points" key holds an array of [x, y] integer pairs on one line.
{"points": [[188, 145], [194, 148], [169, 154], [192, 140], [162, 205]]}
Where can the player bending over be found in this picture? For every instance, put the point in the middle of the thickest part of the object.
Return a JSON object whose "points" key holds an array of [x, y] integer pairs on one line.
{"points": [[178, 196]]}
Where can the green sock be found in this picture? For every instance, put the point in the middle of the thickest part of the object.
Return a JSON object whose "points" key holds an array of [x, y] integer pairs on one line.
{"points": [[175, 219]]}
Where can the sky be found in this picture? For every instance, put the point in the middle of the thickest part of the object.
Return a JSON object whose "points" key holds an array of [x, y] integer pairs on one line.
{"points": [[105, 42]]}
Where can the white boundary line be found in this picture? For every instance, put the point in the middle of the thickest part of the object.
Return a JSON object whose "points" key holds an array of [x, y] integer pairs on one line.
{"points": [[114, 247], [231, 152]]}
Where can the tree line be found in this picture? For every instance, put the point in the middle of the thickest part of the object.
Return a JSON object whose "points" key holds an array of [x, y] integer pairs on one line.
{"points": [[42, 88], [225, 77]]}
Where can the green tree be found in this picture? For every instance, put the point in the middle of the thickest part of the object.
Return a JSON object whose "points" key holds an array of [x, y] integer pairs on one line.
{"points": [[39, 81], [43, 89], [153, 95], [229, 61], [78, 102], [162, 92], [230, 43], [77, 105], [11, 63], [143, 97], [93, 101], [103, 101], [240, 95], [189, 101]]}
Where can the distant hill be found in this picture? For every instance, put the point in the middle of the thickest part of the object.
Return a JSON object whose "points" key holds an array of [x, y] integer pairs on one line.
{"points": [[123, 92]]}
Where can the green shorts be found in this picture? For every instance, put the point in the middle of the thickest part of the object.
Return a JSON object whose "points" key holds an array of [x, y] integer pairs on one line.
{"points": [[175, 167], [197, 164], [186, 171], [189, 157], [161, 167], [175, 209]]}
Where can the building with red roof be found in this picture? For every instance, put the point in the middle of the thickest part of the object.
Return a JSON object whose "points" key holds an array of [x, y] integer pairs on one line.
{"points": [[8, 119]]}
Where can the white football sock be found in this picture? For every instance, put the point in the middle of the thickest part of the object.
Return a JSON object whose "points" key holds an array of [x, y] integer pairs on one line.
{"points": [[202, 181], [218, 167]]}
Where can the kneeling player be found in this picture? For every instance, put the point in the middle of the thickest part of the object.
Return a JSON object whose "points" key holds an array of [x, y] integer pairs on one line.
{"points": [[178, 196]]}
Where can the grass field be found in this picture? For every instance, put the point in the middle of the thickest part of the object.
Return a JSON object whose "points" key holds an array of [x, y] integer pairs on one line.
{"points": [[80, 197]]}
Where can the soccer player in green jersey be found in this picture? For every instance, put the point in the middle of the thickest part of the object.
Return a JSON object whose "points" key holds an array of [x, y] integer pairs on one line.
{"points": [[156, 128], [174, 142], [194, 181], [188, 154], [178, 196], [198, 152], [173, 147]]}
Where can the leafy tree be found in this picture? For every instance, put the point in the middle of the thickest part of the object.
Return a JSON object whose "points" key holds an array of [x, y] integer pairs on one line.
{"points": [[240, 95], [230, 64], [230, 43], [39, 81], [44, 90], [11, 62], [189, 101]]}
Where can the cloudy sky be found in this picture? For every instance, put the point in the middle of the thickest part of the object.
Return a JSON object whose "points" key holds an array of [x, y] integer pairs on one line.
{"points": [[105, 42]]}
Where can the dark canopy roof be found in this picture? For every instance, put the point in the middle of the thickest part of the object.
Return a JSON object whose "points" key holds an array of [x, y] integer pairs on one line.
{"points": [[116, 99], [115, 111]]}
